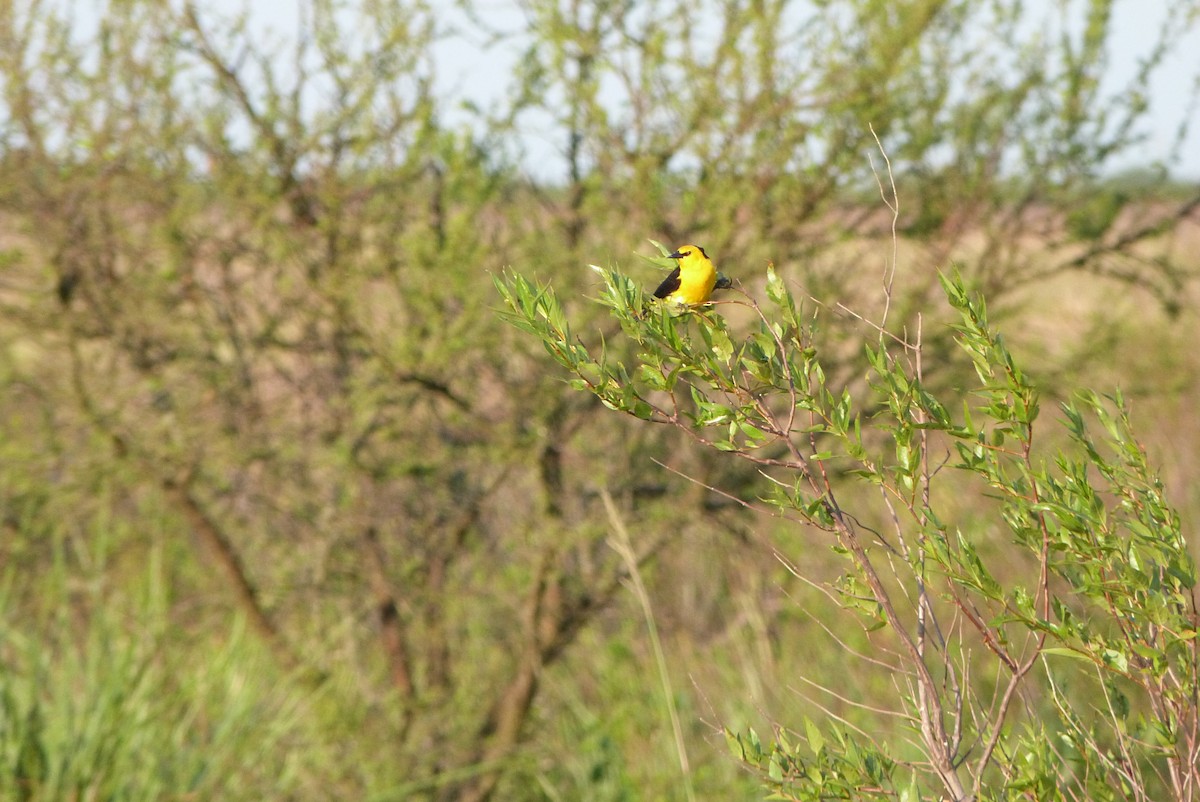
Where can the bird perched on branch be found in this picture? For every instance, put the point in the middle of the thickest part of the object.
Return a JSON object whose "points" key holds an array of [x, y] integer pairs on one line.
{"points": [[693, 279]]}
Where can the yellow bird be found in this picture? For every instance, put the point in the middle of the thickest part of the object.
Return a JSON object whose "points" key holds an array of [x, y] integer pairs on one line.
{"points": [[692, 280]]}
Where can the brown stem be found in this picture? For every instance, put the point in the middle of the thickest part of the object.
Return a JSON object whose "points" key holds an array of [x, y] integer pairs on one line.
{"points": [[552, 620], [391, 627], [206, 529], [230, 564]]}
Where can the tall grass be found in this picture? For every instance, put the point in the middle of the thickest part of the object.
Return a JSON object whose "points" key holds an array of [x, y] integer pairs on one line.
{"points": [[102, 699]]}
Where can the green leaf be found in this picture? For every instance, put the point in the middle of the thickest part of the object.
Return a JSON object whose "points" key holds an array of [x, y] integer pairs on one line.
{"points": [[776, 290], [721, 345], [775, 768], [1115, 660], [912, 793], [816, 741], [1062, 651]]}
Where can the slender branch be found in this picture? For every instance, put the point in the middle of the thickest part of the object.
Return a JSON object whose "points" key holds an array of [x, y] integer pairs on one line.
{"points": [[393, 637], [230, 563], [180, 492]]}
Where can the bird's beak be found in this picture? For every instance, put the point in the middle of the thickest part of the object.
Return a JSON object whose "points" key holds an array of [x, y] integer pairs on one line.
{"points": [[675, 255]]}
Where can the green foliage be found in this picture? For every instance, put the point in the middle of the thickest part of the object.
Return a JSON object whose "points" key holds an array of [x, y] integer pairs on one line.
{"points": [[1112, 585], [111, 707], [247, 325], [835, 768]]}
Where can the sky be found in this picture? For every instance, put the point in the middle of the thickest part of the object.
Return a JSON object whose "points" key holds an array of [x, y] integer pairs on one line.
{"points": [[1136, 26], [467, 70]]}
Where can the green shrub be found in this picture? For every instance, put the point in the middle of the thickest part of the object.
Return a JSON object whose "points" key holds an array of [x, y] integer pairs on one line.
{"points": [[1073, 676]]}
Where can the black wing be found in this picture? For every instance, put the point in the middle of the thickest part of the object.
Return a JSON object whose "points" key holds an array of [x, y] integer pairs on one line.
{"points": [[669, 285]]}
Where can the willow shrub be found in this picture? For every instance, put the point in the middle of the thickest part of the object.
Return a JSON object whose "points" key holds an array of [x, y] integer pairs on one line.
{"points": [[1075, 677]]}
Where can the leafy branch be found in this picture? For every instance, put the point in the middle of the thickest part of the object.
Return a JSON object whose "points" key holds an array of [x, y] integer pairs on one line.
{"points": [[1109, 582]]}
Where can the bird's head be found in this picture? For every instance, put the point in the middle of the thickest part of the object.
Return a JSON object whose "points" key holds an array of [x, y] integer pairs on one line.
{"points": [[684, 251]]}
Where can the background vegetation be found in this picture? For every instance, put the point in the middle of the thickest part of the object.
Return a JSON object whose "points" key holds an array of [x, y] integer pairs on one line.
{"points": [[290, 511]]}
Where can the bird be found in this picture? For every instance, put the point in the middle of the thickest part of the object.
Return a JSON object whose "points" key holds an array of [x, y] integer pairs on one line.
{"points": [[693, 279]]}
